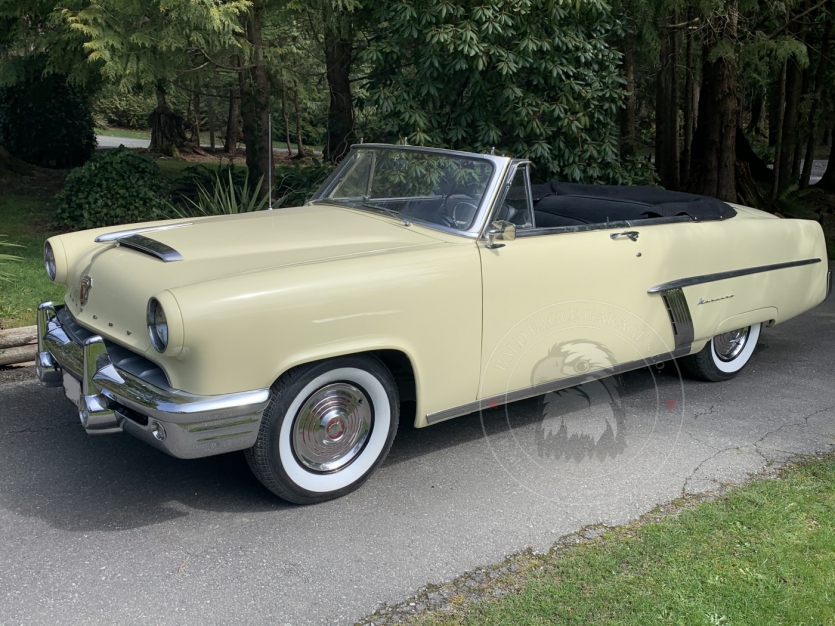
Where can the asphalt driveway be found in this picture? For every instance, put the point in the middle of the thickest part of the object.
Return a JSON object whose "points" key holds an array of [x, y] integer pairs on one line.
{"points": [[107, 530]]}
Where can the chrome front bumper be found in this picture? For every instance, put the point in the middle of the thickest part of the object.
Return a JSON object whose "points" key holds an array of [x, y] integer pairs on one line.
{"points": [[112, 399]]}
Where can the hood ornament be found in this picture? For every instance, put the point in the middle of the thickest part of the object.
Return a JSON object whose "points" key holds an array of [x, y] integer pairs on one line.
{"points": [[84, 290]]}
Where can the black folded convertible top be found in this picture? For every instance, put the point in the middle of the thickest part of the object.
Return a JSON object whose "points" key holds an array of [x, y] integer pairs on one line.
{"points": [[568, 204]]}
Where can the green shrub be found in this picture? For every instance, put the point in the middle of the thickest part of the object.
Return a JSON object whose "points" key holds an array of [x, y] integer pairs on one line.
{"points": [[186, 187], [115, 187], [293, 185], [45, 121], [221, 196], [7, 257]]}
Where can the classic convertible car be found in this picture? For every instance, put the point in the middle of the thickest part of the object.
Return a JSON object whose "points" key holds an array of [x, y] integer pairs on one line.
{"points": [[438, 277]]}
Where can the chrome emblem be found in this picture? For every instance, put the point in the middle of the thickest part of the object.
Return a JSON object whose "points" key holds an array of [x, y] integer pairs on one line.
{"points": [[703, 301], [84, 290]]}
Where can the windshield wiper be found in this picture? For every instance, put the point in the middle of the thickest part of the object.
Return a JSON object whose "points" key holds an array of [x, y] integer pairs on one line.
{"points": [[370, 205], [367, 205]]}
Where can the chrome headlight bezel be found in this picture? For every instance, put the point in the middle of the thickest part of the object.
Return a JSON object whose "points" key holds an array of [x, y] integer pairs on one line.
{"points": [[50, 265], [157, 325]]}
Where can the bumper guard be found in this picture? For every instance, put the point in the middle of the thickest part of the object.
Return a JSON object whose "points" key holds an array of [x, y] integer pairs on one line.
{"points": [[113, 400]]}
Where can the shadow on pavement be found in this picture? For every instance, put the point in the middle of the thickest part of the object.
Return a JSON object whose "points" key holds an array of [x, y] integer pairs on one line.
{"points": [[52, 470]]}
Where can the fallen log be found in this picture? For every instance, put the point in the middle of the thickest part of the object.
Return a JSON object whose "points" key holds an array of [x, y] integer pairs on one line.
{"points": [[12, 356], [16, 337]]}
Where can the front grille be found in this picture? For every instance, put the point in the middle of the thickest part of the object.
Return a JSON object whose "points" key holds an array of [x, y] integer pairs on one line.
{"points": [[122, 358]]}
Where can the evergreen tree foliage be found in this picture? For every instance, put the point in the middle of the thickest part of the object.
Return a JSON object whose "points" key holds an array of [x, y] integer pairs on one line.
{"points": [[534, 78]]}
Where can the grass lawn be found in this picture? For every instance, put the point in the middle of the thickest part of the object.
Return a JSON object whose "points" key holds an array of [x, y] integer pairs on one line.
{"points": [[25, 221], [761, 554]]}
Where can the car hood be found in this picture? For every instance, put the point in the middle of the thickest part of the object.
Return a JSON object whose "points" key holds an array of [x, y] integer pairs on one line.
{"points": [[123, 279]]}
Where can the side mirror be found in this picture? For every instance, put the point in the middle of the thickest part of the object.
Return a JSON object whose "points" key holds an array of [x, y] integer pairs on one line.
{"points": [[500, 230]]}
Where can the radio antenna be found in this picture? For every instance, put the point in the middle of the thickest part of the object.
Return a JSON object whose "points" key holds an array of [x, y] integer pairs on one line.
{"points": [[270, 160]]}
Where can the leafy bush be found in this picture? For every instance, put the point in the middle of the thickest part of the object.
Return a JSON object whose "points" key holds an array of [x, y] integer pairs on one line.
{"points": [[115, 187], [186, 187], [221, 196], [7, 257], [292, 185], [295, 184], [45, 121]]}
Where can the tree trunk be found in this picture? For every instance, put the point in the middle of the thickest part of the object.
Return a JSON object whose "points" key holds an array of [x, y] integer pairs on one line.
{"points": [[828, 180], [168, 135], [232, 127], [255, 105], [817, 97], [195, 136], [689, 111], [755, 123], [339, 47], [794, 83], [802, 124], [286, 120], [662, 159], [628, 115], [673, 127], [778, 123], [713, 164], [300, 152], [776, 102], [667, 150], [210, 112]]}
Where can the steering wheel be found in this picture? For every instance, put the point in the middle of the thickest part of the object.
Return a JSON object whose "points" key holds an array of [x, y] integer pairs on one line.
{"points": [[452, 219]]}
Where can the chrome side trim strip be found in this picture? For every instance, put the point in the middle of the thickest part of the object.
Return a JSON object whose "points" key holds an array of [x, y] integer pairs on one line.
{"points": [[132, 231], [709, 278], [150, 246], [680, 318], [554, 385]]}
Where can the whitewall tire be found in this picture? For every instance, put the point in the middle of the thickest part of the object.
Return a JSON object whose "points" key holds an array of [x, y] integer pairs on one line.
{"points": [[725, 355], [328, 426]]}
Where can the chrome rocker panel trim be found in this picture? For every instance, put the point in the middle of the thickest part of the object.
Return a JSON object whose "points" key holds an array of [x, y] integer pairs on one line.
{"points": [[113, 400], [554, 385]]}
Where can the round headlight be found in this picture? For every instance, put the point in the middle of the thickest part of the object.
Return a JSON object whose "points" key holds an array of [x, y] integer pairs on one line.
{"points": [[157, 325], [49, 261]]}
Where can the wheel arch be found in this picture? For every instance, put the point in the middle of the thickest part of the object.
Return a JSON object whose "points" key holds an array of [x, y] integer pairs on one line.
{"points": [[398, 361]]}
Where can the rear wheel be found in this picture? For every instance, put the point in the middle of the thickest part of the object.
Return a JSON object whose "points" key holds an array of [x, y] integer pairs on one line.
{"points": [[724, 355], [328, 426]]}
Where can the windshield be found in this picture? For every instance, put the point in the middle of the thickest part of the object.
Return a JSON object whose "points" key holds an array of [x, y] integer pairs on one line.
{"points": [[428, 187]]}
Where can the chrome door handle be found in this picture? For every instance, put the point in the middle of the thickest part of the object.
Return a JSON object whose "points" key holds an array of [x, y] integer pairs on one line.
{"points": [[632, 235]]}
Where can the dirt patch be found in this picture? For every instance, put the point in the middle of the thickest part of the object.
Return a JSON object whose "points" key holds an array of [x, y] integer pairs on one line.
{"points": [[17, 373]]}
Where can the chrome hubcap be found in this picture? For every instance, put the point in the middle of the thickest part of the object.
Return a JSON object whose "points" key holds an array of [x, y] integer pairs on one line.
{"points": [[728, 346], [332, 427]]}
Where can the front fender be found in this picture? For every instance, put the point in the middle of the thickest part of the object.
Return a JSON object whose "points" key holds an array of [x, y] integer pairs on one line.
{"points": [[243, 332]]}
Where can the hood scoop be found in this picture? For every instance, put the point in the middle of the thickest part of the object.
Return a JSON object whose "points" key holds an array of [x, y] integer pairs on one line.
{"points": [[151, 247]]}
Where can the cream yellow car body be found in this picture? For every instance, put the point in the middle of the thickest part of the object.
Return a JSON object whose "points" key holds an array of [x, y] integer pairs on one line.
{"points": [[256, 295]]}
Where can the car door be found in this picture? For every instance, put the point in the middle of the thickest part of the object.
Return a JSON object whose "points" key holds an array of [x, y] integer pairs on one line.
{"points": [[561, 306]]}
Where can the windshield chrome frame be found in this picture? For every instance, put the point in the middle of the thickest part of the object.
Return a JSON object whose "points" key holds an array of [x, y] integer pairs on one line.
{"points": [[485, 207]]}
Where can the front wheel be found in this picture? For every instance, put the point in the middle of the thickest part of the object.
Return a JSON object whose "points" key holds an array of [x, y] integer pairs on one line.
{"points": [[724, 355], [328, 426]]}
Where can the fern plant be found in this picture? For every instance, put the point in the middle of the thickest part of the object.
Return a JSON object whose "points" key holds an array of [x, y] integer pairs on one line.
{"points": [[223, 197], [7, 257]]}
